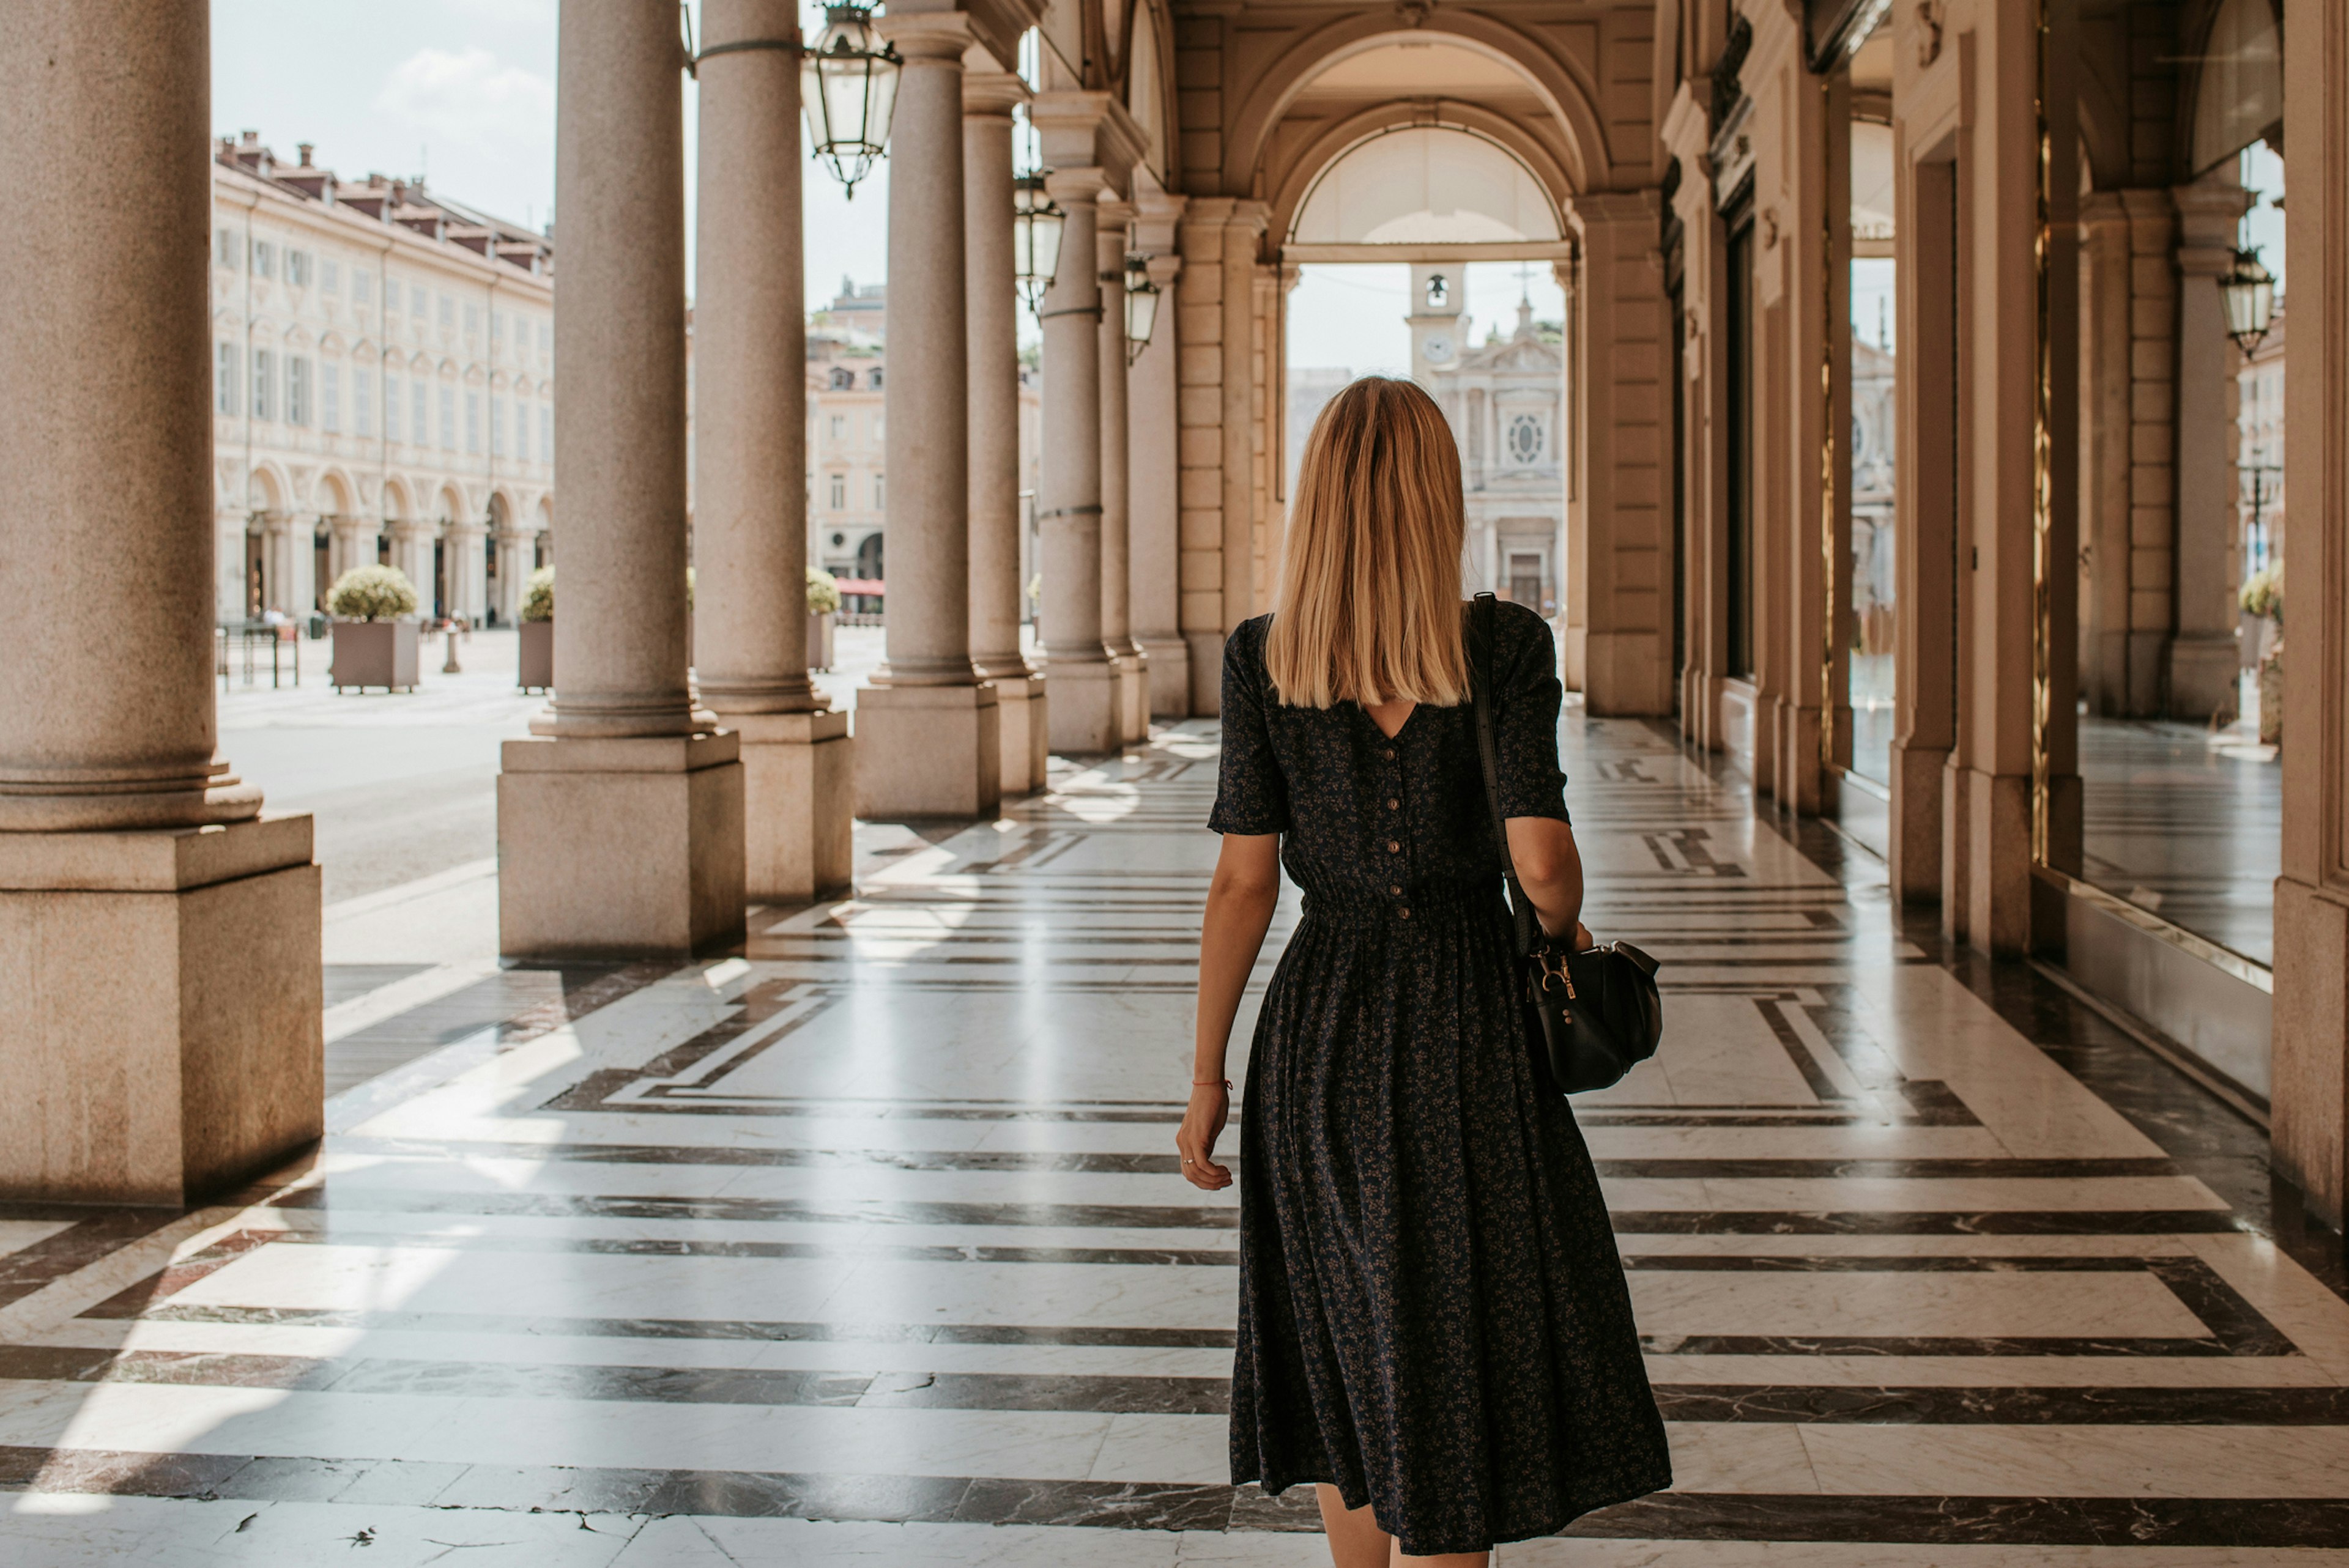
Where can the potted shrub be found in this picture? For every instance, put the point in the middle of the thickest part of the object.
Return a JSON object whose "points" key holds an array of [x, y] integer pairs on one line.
{"points": [[824, 603], [375, 640], [538, 632]]}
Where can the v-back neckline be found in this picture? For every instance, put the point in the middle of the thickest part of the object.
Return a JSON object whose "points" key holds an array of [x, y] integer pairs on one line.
{"points": [[1399, 729]]}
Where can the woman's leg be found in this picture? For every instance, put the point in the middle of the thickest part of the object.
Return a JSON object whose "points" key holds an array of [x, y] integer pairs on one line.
{"points": [[1357, 1542], [1355, 1538]]}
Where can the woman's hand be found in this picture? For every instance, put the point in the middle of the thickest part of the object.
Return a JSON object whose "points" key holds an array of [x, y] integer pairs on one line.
{"points": [[1202, 1123], [1583, 940]]}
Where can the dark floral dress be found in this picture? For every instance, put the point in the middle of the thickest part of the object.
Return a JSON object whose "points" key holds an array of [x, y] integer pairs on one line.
{"points": [[1432, 1315]]}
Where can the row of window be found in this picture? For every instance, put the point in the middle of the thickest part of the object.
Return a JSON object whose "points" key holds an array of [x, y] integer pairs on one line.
{"points": [[268, 260], [839, 496], [844, 380], [312, 392]]}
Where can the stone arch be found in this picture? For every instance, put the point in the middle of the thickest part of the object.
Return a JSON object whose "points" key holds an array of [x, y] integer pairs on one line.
{"points": [[395, 501], [1323, 153], [451, 501], [2231, 86], [336, 495], [266, 488], [1149, 46], [501, 511], [1569, 98]]}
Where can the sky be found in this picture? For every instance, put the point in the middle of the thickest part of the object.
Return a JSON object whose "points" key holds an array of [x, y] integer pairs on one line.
{"points": [[1351, 317], [463, 91]]}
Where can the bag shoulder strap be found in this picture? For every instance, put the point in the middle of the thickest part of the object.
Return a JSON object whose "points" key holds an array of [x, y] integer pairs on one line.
{"points": [[1482, 651]]}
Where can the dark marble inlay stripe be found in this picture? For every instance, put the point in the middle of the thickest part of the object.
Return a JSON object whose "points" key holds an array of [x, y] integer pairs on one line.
{"points": [[1167, 1164], [89, 1235], [340, 1196], [702, 1327], [1929, 1223], [1688, 1403], [2207, 1522]]}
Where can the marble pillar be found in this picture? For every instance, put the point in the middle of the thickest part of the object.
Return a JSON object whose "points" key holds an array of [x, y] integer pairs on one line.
{"points": [[354, 545], [990, 295], [620, 821], [2310, 1092], [514, 575], [467, 564], [750, 460], [1085, 716], [1154, 476], [928, 736], [160, 1034], [1133, 699], [2204, 655]]}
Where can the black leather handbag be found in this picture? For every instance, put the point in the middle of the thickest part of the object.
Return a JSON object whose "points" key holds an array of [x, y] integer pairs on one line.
{"points": [[1591, 1017]]}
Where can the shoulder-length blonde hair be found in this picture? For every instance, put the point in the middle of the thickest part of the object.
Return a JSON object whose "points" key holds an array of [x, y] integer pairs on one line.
{"points": [[1369, 579]]}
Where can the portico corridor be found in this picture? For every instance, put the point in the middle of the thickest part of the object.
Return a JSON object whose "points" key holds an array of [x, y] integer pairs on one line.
{"points": [[866, 1245]]}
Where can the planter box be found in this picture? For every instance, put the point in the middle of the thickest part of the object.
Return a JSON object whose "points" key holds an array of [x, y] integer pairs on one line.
{"points": [[374, 653], [819, 640], [537, 657]]}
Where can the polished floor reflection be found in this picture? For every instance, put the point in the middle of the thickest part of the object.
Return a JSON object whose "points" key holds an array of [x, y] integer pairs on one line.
{"points": [[2187, 823], [866, 1246]]}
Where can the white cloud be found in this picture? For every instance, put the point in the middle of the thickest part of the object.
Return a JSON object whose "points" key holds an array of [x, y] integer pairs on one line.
{"points": [[470, 99]]}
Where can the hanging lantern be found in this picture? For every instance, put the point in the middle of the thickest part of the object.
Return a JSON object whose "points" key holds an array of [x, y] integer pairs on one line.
{"points": [[2249, 290], [1141, 306], [848, 86], [1036, 221]]}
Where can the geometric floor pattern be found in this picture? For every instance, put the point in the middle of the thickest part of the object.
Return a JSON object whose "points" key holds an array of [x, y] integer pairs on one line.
{"points": [[866, 1245]]}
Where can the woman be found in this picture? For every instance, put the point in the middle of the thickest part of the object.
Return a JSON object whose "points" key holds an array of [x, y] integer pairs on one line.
{"points": [[1434, 1325]]}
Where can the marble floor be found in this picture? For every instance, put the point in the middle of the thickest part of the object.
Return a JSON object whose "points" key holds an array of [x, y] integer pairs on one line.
{"points": [[866, 1245]]}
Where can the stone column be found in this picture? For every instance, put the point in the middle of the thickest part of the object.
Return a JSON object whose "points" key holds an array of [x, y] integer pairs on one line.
{"points": [[620, 821], [2204, 660], [1133, 680], [411, 553], [513, 575], [283, 541], [1085, 689], [1626, 645], [2311, 1083], [991, 297], [159, 938], [1153, 475], [927, 735], [462, 548], [750, 459]]}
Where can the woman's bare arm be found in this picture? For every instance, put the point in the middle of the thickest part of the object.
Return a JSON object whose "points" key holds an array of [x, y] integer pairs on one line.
{"points": [[1549, 868], [1240, 900]]}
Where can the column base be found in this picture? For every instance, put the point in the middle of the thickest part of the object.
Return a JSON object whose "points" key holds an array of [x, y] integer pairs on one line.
{"points": [[1170, 676], [799, 785], [1085, 697], [928, 751], [1796, 775], [161, 1032], [1022, 743], [1622, 674], [1986, 860], [1133, 698], [2203, 669], [2311, 1072], [620, 848], [1207, 661], [1915, 861]]}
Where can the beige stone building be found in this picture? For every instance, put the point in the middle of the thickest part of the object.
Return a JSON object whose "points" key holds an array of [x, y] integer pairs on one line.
{"points": [[382, 389]]}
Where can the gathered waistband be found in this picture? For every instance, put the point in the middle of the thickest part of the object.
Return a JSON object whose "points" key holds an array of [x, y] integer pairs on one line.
{"points": [[1416, 902]]}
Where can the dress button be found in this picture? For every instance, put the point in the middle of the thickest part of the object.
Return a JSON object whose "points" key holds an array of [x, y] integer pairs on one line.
{"points": [[1393, 847], [1396, 890], [1390, 754], [1404, 913], [1394, 805]]}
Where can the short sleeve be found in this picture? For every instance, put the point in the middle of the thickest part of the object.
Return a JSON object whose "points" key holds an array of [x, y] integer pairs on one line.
{"points": [[1251, 795], [1525, 717]]}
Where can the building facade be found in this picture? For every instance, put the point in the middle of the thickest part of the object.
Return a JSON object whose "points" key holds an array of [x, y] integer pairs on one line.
{"points": [[1504, 398], [383, 364]]}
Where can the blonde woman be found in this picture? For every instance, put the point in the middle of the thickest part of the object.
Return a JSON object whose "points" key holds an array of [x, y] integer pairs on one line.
{"points": [[1433, 1323]]}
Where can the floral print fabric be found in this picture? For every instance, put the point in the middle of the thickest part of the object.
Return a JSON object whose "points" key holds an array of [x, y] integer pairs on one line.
{"points": [[1433, 1314]]}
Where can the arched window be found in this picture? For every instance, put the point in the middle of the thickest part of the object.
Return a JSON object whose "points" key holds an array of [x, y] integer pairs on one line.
{"points": [[1425, 185], [842, 380]]}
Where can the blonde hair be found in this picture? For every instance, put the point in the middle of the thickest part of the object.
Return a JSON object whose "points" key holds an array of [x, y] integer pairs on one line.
{"points": [[1370, 577]]}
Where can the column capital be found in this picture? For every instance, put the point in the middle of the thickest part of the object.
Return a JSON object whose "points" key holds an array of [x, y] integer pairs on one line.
{"points": [[986, 92], [940, 37], [1085, 185], [1156, 216], [1088, 128], [1595, 207], [1164, 270], [1114, 214]]}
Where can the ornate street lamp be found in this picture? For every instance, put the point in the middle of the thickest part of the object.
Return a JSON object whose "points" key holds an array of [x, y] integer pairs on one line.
{"points": [[1036, 221], [848, 84], [1141, 306], [2249, 290]]}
